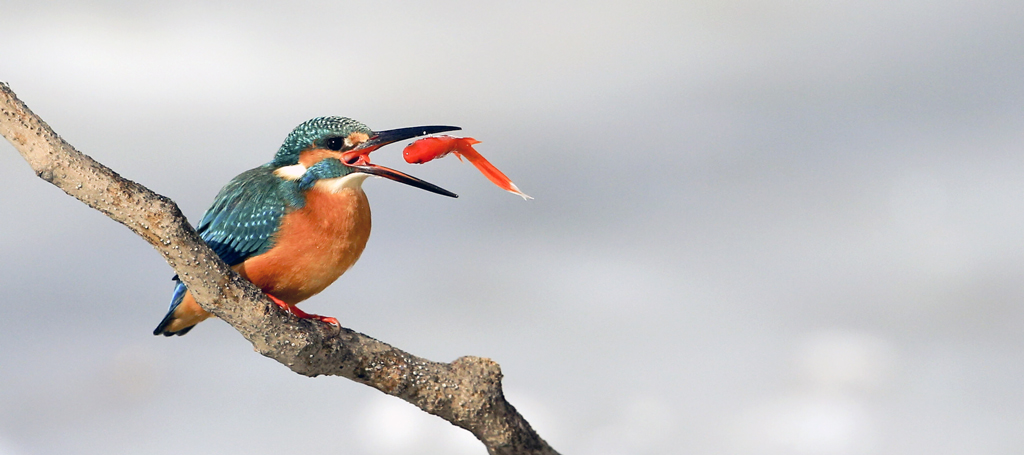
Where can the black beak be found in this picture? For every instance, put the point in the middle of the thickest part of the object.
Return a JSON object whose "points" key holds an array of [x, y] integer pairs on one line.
{"points": [[402, 177], [382, 138]]}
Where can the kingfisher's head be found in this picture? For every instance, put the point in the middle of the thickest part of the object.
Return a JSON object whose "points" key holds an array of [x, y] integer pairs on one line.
{"points": [[350, 142]]}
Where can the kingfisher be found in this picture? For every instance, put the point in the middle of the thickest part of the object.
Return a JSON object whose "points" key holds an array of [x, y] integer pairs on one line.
{"points": [[294, 225]]}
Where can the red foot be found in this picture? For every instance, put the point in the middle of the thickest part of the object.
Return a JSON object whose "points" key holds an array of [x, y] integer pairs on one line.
{"points": [[302, 314]]}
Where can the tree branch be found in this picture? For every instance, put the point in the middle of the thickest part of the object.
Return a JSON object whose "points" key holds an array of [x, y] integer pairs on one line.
{"points": [[466, 392]]}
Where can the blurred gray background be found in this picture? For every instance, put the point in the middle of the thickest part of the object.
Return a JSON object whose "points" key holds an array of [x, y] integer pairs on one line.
{"points": [[760, 227]]}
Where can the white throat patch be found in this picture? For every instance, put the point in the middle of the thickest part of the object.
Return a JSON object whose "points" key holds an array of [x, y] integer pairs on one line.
{"points": [[335, 185]]}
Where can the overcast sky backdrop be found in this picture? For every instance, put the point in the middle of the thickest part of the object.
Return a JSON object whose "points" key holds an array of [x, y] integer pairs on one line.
{"points": [[760, 227]]}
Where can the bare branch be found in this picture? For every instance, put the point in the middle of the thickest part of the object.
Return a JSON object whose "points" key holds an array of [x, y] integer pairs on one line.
{"points": [[466, 392]]}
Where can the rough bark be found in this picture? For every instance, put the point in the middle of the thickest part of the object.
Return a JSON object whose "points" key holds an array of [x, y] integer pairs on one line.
{"points": [[466, 392]]}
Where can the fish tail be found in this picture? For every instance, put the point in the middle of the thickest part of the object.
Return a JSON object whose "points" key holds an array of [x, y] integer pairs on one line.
{"points": [[465, 148]]}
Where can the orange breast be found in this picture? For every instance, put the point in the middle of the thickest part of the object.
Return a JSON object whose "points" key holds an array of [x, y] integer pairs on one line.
{"points": [[315, 245]]}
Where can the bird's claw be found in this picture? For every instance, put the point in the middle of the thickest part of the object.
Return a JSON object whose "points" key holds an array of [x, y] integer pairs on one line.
{"points": [[327, 319], [302, 314]]}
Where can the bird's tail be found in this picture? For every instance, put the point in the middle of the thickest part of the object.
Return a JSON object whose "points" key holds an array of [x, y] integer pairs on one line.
{"points": [[183, 314]]}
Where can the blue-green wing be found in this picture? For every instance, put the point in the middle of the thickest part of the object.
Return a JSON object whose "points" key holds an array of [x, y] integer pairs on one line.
{"points": [[247, 212], [241, 223]]}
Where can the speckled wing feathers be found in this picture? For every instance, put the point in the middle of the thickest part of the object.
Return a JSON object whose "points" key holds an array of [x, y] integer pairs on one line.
{"points": [[240, 224], [246, 214]]}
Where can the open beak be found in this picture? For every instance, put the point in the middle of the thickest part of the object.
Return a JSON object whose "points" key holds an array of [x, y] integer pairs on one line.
{"points": [[358, 157], [388, 173]]}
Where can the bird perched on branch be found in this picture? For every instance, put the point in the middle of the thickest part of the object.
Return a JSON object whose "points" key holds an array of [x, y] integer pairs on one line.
{"points": [[294, 225]]}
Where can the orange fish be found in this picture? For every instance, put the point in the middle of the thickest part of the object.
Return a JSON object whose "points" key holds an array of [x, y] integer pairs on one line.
{"points": [[430, 148]]}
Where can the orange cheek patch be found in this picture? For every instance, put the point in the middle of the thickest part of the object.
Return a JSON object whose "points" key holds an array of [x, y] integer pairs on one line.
{"points": [[310, 157], [355, 139]]}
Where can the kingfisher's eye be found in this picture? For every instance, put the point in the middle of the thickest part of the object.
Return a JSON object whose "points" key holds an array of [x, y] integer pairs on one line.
{"points": [[335, 143]]}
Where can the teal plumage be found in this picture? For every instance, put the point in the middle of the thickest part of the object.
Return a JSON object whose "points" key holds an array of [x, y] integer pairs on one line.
{"points": [[248, 212], [315, 132]]}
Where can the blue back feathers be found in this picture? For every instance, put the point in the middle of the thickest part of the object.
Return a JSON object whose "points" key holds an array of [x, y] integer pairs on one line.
{"points": [[247, 212]]}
